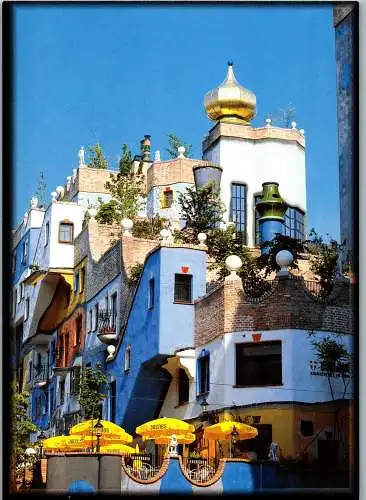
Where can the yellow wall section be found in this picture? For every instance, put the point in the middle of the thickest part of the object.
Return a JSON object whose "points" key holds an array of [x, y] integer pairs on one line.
{"points": [[286, 425], [77, 297]]}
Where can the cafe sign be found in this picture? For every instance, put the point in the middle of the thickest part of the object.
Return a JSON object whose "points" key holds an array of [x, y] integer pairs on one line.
{"points": [[317, 368]]}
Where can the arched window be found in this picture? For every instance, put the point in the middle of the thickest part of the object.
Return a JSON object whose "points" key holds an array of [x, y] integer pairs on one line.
{"points": [[183, 387]]}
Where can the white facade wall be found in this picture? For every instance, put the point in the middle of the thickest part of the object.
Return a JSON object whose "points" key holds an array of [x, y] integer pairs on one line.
{"points": [[254, 162], [62, 254], [298, 384], [153, 206], [91, 200]]}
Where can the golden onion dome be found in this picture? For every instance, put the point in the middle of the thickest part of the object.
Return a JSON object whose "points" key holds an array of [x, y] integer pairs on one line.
{"points": [[230, 102]]}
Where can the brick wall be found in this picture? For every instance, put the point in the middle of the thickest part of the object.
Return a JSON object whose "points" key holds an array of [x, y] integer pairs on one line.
{"points": [[102, 237], [89, 180], [171, 172], [104, 271], [223, 129], [288, 305], [66, 353], [135, 250]]}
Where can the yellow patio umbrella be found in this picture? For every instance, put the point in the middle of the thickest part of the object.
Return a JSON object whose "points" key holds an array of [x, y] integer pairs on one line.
{"points": [[186, 438], [109, 429], [119, 448], [164, 427], [55, 443], [223, 430], [88, 441]]}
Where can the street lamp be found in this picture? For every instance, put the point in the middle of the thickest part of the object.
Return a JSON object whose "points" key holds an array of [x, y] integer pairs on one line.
{"points": [[98, 432], [41, 437], [203, 406], [234, 436]]}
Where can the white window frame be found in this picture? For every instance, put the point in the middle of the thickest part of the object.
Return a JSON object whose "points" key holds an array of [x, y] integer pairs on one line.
{"points": [[127, 360]]}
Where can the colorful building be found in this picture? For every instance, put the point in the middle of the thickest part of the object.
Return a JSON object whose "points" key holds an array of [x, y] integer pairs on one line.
{"points": [[173, 340]]}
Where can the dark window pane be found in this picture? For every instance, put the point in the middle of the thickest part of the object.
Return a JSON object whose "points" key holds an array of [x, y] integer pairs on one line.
{"points": [[259, 364], [183, 288], [183, 389], [204, 374]]}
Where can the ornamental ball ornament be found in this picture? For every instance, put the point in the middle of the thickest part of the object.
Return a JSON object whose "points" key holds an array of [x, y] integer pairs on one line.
{"points": [[233, 263], [202, 237], [181, 151], [60, 191], [165, 233], [111, 349], [284, 258], [127, 224]]}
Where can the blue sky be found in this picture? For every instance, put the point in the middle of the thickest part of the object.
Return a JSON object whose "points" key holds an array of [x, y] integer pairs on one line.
{"points": [[112, 73]]}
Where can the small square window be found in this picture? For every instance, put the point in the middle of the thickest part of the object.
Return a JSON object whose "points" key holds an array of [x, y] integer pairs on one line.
{"points": [[183, 288], [66, 232], [307, 428], [151, 293], [167, 199]]}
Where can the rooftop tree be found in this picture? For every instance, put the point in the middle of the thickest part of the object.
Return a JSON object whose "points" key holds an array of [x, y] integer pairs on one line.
{"points": [[97, 158], [174, 143]]}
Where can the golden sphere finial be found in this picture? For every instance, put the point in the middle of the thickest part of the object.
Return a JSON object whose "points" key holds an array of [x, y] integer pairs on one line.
{"points": [[230, 102]]}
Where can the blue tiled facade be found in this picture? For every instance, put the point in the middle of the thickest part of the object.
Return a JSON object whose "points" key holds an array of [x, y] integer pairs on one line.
{"points": [[154, 333]]}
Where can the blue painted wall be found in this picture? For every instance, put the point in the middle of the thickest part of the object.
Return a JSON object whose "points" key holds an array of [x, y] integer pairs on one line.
{"points": [[142, 333], [177, 320], [345, 40], [31, 238], [153, 334], [94, 350]]}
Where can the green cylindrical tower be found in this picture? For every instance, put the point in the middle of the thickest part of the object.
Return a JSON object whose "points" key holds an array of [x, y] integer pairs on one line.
{"points": [[271, 208]]}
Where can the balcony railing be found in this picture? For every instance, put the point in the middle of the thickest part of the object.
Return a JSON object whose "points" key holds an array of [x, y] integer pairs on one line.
{"points": [[200, 469], [41, 373], [107, 320]]}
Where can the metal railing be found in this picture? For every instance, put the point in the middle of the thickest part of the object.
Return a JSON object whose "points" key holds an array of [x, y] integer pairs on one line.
{"points": [[143, 465], [200, 469], [107, 320], [40, 373]]}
